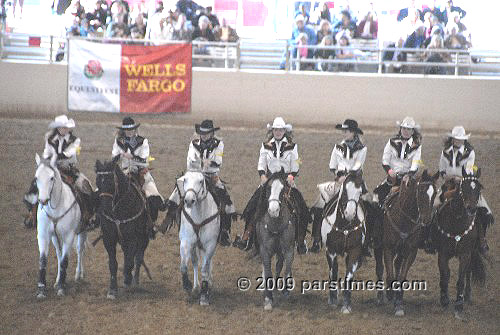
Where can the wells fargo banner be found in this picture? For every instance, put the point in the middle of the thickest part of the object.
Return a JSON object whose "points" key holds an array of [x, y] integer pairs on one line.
{"points": [[126, 78]]}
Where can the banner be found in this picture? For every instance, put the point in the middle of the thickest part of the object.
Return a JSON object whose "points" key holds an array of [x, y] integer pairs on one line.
{"points": [[127, 78]]}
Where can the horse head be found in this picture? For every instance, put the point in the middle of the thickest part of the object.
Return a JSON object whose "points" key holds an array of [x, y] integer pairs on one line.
{"points": [[470, 190], [193, 187], [352, 188], [425, 192], [46, 176], [105, 177], [275, 186]]}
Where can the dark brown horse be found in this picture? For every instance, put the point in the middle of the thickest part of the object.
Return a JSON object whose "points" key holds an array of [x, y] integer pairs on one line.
{"points": [[406, 214], [343, 231], [456, 235]]}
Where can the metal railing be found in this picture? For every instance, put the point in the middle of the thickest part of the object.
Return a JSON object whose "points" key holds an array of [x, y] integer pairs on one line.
{"points": [[270, 55]]}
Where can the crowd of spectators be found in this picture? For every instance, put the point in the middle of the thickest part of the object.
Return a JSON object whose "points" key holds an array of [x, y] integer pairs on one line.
{"points": [[428, 28], [183, 21]]}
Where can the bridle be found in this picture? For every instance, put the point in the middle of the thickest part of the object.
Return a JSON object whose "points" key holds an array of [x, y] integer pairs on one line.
{"points": [[203, 190], [461, 193]]}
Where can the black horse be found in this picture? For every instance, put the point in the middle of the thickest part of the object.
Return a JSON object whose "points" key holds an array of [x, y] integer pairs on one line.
{"points": [[456, 234], [123, 217]]}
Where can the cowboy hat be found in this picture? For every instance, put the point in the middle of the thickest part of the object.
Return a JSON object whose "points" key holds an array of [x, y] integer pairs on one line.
{"points": [[206, 127], [458, 132], [62, 121], [279, 123], [128, 124], [351, 125], [408, 122]]}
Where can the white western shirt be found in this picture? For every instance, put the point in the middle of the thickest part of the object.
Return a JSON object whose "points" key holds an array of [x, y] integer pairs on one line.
{"points": [[275, 155], [401, 155]]}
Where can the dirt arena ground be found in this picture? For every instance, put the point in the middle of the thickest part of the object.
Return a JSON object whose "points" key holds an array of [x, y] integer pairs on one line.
{"points": [[160, 306]]}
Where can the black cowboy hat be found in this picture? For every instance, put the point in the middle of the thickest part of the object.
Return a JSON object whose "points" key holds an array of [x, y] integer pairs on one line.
{"points": [[351, 125], [128, 124], [206, 127]]}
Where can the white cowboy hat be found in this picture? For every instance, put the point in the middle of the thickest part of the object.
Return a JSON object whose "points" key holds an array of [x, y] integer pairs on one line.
{"points": [[299, 17], [408, 122], [279, 123], [62, 121], [458, 133]]}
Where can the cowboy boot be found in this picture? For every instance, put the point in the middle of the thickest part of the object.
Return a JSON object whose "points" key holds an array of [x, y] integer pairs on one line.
{"points": [[225, 229], [317, 214], [170, 218]]}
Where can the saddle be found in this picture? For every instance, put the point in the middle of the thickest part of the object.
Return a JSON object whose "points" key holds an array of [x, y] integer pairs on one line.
{"points": [[330, 206]]}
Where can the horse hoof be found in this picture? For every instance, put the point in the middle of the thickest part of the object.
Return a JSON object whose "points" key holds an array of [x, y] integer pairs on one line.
{"points": [[204, 301], [345, 310], [445, 301], [41, 294], [286, 294], [79, 277], [332, 302], [399, 311], [60, 292], [268, 304], [380, 298], [111, 294]]}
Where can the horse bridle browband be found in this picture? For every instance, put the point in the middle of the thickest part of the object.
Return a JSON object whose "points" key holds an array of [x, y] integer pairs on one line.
{"points": [[461, 193]]}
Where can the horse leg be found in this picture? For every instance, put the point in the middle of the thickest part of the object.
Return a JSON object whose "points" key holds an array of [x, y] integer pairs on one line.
{"points": [[468, 289], [389, 270], [110, 245], [196, 254], [63, 264], [186, 251], [139, 258], [379, 270], [80, 252], [444, 278], [397, 264], [333, 266], [58, 248], [43, 247], [129, 250], [266, 257], [463, 265], [351, 267], [288, 284], [405, 267], [208, 253]]}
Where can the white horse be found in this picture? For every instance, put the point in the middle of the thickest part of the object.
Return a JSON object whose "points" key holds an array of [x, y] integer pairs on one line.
{"points": [[199, 230], [58, 218]]}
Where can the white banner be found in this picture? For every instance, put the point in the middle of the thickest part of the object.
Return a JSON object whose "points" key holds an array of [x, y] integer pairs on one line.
{"points": [[94, 76]]}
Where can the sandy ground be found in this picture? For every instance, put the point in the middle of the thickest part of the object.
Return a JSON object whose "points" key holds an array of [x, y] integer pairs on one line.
{"points": [[160, 306]]}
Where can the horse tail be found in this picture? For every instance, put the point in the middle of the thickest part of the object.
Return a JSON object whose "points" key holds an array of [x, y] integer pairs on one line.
{"points": [[478, 268]]}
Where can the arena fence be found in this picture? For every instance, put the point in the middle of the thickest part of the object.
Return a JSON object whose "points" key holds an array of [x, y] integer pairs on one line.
{"points": [[367, 56]]}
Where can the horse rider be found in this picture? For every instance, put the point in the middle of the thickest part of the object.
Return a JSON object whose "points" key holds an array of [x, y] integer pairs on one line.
{"points": [[458, 153], [61, 142], [401, 157], [347, 156], [278, 152], [205, 153], [132, 150]]}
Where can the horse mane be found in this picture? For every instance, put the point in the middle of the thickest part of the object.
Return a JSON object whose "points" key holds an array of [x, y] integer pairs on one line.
{"points": [[263, 203]]}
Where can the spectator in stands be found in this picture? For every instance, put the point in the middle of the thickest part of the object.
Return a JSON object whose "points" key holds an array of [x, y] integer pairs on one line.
{"points": [[394, 55], [324, 30], [436, 30], [303, 52], [225, 33], [325, 13], [340, 8], [97, 18], [434, 10], [300, 27], [325, 54], [455, 40], [188, 8], [118, 12], [203, 31], [214, 21], [346, 26], [432, 25], [302, 10], [182, 29], [137, 27], [411, 22], [446, 13], [461, 27], [368, 27], [415, 40], [85, 28], [345, 54], [77, 9], [436, 57], [405, 12]]}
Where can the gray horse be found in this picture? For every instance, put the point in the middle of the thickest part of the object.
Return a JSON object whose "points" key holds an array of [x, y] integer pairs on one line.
{"points": [[276, 235]]}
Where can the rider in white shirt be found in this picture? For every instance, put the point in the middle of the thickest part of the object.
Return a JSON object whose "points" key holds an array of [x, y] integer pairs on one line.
{"points": [[348, 155], [205, 153], [132, 152], [277, 153], [402, 156]]}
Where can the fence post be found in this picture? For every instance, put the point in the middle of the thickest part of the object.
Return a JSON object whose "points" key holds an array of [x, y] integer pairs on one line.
{"points": [[238, 55], [226, 61], [456, 64], [287, 55], [51, 45], [379, 61]]}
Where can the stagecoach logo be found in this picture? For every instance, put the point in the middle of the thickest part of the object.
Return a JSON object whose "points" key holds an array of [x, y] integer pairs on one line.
{"points": [[93, 70]]}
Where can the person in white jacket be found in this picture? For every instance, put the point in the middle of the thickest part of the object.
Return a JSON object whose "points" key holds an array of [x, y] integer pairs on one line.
{"points": [[402, 156], [277, 153], [131, 151], [61, 142], [348, 155], [205, 154]]}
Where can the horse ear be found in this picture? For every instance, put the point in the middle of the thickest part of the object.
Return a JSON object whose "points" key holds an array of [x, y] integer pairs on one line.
{"points": [[478, 173], [425, 174], [464, 173], [98, 166], [53, 160], [435, 177], [37, 159]]}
